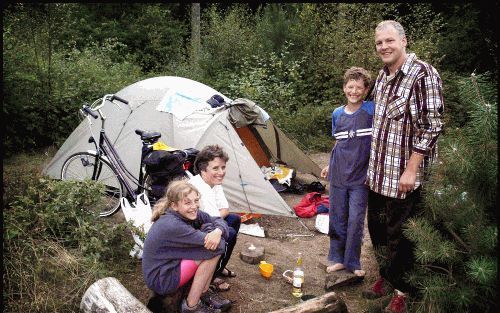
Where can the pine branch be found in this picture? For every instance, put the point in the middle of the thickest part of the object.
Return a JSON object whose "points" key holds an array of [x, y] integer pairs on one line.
{"points": [[476, 89], [458, 239], [448, 272]]}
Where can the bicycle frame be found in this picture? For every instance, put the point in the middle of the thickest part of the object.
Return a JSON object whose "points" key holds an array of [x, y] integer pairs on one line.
{"points": [[104, 147]]}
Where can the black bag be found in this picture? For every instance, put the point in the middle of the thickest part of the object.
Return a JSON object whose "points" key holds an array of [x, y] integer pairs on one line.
{"points": [[163, 167]]}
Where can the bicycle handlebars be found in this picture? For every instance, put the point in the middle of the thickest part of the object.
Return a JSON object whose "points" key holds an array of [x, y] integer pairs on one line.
{"points": [[86, 108], [113, 97], [91, 109]]}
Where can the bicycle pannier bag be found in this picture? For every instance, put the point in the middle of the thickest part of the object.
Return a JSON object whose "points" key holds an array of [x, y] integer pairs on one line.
{"points": [[163, 167]]}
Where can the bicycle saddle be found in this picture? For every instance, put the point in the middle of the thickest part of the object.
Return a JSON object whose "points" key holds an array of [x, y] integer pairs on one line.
{"points": [[147, 135]]}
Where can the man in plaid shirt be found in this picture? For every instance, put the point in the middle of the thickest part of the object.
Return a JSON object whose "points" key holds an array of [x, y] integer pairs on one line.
{"points": [[406, 125]]}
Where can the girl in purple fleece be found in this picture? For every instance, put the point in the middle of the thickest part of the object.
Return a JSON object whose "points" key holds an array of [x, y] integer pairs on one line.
{"points": [[184, 243]]}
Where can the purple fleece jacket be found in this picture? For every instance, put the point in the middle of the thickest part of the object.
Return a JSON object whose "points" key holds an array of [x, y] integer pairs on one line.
{"points": [[173, 238]]}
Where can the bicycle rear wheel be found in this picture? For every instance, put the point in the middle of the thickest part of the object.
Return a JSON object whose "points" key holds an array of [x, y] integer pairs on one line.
{"points": [[147, 187], [80, 166]]}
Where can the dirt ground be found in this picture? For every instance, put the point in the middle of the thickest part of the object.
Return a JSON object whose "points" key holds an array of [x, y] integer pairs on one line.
{"points": [[285, 238]]}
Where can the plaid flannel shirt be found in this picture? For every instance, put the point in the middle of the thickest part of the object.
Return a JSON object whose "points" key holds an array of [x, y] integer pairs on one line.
{"points": [[407, 119]]}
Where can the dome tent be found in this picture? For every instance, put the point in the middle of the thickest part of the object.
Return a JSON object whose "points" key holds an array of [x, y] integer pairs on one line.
{"points": [[177, 107]]}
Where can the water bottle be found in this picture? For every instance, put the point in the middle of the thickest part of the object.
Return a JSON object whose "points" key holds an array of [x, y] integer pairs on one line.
{"points": [[298, 278]]}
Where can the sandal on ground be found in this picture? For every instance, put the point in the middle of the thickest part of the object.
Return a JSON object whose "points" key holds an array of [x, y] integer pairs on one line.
{"points": [[227, 273], [219, 285], [335, 267]]}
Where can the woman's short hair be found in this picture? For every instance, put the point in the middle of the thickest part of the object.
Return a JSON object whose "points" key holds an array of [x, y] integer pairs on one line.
{"points": [[207, 154]]}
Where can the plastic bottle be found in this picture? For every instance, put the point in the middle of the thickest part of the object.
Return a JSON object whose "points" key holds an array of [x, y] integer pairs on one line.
{"points": [[298, 278]]}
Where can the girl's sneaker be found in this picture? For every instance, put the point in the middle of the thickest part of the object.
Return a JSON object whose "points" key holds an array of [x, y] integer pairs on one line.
{"points": [[199, 308], [214, 300]]}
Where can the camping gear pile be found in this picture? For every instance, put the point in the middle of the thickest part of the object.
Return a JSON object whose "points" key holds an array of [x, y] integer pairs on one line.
{"points": [[177, 107]]}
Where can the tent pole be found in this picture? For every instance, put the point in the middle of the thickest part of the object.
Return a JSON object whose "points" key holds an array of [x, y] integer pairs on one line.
{"points": [[244, 192], [239, 169]]}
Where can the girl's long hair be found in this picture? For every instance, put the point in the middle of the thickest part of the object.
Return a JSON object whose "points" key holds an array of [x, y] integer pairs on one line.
{"points": [[177, 190]]}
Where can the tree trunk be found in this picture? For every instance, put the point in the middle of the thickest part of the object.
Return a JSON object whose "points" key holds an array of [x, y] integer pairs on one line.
{"points": [[108, 295], [195, 32], [327, 303]]}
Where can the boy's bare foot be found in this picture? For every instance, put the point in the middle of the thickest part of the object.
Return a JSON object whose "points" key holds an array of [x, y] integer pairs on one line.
{"points": [[359, 273], [335, 267]]}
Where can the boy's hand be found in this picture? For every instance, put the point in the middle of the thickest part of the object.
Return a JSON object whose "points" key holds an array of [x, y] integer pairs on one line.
{"points": [[324, 172]]}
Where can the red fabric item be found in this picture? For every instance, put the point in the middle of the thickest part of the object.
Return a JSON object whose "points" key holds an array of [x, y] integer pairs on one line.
{"points": [[397, 304], [307, 207]]}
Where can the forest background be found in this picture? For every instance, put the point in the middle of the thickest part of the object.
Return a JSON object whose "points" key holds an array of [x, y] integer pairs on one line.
{"points": [[288, 58]]}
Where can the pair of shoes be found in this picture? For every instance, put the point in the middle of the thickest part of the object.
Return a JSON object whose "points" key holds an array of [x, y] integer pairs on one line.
{"points": [[397, 304], [379, 289], [198, 308], [215, 301], [335, 267], [227, 273], [219, 284]]}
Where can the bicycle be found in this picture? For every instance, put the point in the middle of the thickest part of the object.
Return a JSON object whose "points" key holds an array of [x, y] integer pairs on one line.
{"points": [[105, 166]]}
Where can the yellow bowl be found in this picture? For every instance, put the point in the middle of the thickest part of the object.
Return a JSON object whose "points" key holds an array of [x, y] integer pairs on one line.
{"points": [[266, 269]]}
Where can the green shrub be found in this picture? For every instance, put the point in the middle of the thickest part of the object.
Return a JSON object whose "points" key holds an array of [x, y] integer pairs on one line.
{"points": [[54, 246], [227, 37]]}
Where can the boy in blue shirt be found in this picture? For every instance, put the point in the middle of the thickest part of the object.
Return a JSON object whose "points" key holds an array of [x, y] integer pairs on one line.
{"points": [[351, 127]]}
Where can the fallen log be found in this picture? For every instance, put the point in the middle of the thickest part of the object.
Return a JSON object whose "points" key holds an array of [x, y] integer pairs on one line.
{"points": [[108, 295], [327, 303]]}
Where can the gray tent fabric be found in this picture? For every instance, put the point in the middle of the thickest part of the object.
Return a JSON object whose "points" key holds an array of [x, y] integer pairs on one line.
{"points": [[245, 185], [243, 112]]}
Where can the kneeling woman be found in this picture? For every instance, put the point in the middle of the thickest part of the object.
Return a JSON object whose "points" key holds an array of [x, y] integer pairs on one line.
{"points": [[184, 243]]}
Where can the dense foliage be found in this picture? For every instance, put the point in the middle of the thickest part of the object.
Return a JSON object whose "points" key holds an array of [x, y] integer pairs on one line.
{"points": [[287, 57], [457, 238], [54, 248]]}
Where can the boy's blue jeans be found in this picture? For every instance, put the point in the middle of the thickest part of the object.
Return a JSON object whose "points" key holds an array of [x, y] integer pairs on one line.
{"points": [[347, 218]]}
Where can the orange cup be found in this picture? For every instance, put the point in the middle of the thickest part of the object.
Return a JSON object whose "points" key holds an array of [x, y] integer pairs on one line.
{"points": [[266, 269]]}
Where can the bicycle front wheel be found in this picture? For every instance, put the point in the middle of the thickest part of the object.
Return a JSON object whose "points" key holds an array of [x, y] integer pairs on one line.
{"points": [[80, 166]]}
